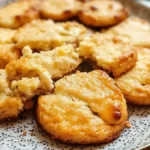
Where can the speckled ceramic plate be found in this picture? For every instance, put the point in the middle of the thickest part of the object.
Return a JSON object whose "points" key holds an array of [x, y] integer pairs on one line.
{"points": [[26, 135]]}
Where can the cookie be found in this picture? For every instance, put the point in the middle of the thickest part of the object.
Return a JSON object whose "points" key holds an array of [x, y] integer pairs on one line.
{"points": [[8, 52], [102, 13], [10, 105], [18, 13], [108, 53], [86, 108], [46, 35], [6, 35], [31, 75], [133, 29], [60, 10], [135, 84]]}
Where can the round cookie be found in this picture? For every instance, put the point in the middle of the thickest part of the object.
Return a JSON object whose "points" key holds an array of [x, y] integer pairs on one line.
{"points": [[108, 53], [60, 10], [135, 84], [46, 35], [18, 13], [10, 105], [133, 29], [102, 13], [86, 108]]}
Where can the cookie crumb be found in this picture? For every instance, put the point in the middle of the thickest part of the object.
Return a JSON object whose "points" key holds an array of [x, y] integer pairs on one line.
{"points": [[24, 133], [32, 134], [128, 124]]}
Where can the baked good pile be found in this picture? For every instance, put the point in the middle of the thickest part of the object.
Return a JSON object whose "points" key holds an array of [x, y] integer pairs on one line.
{"points": [[83, 60]]}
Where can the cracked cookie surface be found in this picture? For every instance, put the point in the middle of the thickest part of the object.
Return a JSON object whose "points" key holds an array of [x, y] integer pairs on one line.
{"points": [[107, 52], [10, 105], [77, 112], [32, 74]]}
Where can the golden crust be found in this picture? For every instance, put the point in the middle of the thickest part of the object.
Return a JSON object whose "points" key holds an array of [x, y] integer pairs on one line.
{"points": [[46, 35], [109, 53], [6, 35], [133, 29], [81, 116], [18, 13], [10, 105], [135, 84], [33, 72], [60, 10], [8, 52], [100, 13]]}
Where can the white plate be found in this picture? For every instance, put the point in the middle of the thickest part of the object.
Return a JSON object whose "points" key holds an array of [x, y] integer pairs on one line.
{"points": [[12, 138]]}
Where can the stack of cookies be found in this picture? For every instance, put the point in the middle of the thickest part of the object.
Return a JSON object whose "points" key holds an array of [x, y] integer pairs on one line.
{"points": [[83, 60]]}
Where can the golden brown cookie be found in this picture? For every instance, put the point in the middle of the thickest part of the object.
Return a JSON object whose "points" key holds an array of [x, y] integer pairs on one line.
{"points": [[133, 29], [8, 52], [31, 75], [46, 35], [85, 108], [6, 35], [18, 13], [101, 13], [108, 53], [10, 105], [60, 10], [135, 84]]}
